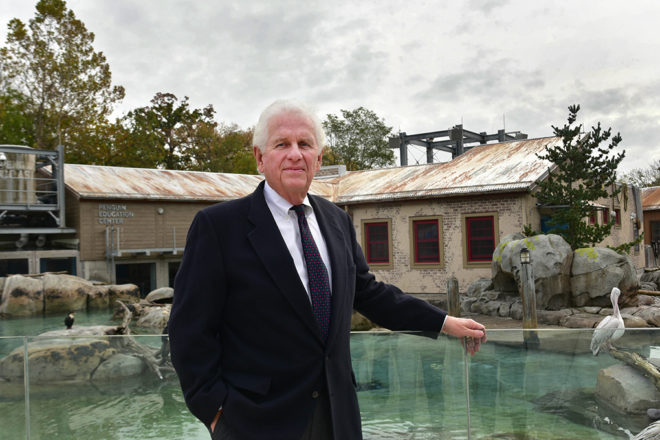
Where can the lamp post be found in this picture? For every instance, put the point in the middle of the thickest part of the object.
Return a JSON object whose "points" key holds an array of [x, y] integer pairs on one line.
{"points": [[528, 293], [454, 304]]}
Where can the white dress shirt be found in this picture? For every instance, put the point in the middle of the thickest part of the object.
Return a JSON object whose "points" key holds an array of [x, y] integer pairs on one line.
{"points": [[287, 222]]}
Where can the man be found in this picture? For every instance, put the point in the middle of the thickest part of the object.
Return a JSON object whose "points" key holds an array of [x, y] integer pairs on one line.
{"points": [[260, 323]]}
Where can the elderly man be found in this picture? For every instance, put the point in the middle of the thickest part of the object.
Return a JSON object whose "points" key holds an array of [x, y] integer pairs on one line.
{"points": [[260, 323]]}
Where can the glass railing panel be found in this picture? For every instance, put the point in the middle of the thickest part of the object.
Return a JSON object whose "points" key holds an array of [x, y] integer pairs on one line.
{"points": [[12, 388], [99, 387], [409, 386], [545, 385]]}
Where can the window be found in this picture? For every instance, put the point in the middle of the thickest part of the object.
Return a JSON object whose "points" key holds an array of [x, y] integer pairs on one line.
{"points": [[66, 264], [606, 216], [617, 217], [592, 218], [377, 242], [479, 238], [426, 242], [141, 274], [14, 266]]}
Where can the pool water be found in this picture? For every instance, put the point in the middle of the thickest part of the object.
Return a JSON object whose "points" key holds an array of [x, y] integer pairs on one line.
{"points": [[409, 387]]}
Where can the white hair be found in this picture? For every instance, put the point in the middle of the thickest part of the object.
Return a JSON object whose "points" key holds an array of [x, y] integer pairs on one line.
{"points": [[281, 107]]}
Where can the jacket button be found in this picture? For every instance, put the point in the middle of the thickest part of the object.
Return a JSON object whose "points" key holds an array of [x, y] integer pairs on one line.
{"points": [[315, 395]]}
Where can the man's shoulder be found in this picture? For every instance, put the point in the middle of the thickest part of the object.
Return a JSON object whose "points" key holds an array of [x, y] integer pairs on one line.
{"points": [[229, 207]]}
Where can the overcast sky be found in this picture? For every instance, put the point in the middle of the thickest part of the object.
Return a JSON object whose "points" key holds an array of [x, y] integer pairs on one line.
{"points": [[420, 65]]}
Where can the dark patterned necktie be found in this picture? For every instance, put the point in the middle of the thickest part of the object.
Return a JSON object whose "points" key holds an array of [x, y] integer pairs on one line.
{"points": [[319, 284]]}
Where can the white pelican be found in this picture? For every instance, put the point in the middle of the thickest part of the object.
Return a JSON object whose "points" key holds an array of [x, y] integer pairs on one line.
{"points": [[651, 432], [611, 328]]}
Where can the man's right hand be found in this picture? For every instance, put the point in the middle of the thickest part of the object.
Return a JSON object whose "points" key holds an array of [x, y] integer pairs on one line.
{"points": [[215, 420]]}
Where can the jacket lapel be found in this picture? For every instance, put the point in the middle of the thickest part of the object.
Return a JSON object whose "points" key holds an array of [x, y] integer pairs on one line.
{"points": [[268, 244]]}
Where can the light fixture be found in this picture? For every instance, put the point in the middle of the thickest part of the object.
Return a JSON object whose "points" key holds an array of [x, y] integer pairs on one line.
{"points": [[524, 256], [3, 159]]}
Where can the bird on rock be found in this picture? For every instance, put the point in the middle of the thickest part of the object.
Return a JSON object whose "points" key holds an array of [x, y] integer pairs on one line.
{"points": [[68, 321], [609, 329]]}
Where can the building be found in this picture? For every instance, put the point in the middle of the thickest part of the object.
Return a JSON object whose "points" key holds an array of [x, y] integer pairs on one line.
{"points": [[418, 225], [651, 218]]}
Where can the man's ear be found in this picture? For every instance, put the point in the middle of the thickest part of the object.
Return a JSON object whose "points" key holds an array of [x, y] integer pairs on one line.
{"points": [[258, 155], [319, 160]]}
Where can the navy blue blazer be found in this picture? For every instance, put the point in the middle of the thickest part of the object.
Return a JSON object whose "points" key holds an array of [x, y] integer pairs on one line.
{"points": [[242, 332]]}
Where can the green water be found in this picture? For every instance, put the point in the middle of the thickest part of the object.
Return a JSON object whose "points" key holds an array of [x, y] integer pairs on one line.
{"points": [[410, 387]]}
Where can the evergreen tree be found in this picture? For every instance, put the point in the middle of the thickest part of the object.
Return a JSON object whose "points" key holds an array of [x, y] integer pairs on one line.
{"points": [[583, 172]]}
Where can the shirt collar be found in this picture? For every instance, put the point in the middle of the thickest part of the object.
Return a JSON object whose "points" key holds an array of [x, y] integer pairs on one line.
{"points": [[279, 205]]}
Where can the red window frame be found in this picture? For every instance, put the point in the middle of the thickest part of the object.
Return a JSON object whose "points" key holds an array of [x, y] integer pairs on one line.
{"points": [[592, 218], [478, 241], [606, 216], [617, 214], [421, 242], [370, 242]]}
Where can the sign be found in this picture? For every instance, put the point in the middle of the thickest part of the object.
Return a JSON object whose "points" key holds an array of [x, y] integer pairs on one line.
{"points": [[113, 214]]}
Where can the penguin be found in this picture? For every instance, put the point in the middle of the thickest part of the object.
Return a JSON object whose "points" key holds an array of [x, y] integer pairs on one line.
{"points": [[68, 321]]}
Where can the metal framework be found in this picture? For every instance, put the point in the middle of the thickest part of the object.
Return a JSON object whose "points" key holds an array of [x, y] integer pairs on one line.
{"points": [[30, 203], [455, 141]]}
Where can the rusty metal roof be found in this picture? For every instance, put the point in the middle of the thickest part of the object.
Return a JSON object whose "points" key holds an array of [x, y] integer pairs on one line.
{"points": [[105, 182], [504, 167], [651, 198]]}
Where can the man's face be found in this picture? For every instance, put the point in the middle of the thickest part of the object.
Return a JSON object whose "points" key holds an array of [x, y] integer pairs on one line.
{"points": [[291, 156]]}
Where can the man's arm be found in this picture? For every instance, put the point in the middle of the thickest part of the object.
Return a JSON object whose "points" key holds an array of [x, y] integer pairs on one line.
{"points": [[194, 325]]}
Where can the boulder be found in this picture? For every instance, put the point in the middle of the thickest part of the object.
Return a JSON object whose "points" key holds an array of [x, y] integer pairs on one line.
{"points": [[649, 314], [154, 317], [648, 285], [119, 365], [651, 277], [641, 300], [58, 360], [595, 271], [476, 288], [631, 321], [505, 310], [21, 296], [163, 295], [65, 293], [98, 298], [552, 317], [359, 322], [626, 389], [80, 354], [466, 304], [551, 259], [516, 311], [580, 320], [127, 293]]}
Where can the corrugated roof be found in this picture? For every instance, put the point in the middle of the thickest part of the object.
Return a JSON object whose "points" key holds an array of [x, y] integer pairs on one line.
{"points": [[505, 167], [101, 182], [651, 198]]}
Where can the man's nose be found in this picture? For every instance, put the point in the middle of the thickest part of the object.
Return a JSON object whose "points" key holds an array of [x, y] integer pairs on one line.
{"points": [[295, 152]]}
